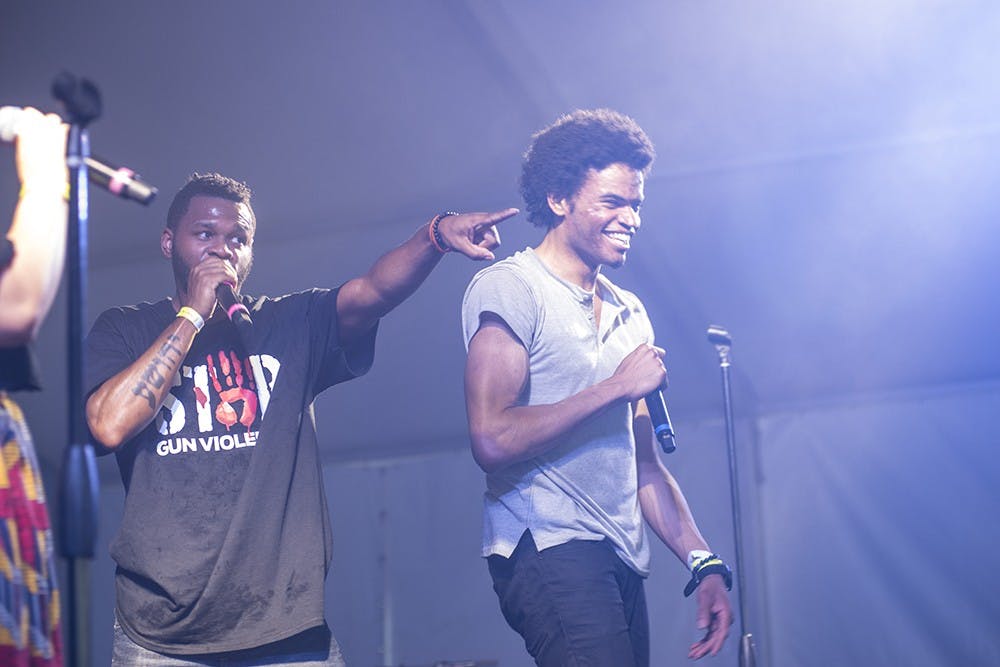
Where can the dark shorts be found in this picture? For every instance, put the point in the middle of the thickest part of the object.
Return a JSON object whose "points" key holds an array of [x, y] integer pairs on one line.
{"points": [[576, 604]]}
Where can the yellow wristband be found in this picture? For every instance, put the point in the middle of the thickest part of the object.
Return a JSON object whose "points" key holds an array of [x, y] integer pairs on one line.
{"points": [[25, 190], [192, 316]]}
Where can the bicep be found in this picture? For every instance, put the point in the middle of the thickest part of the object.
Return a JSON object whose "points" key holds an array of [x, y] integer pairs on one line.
{"points": [[357, 309], [496, 371]]}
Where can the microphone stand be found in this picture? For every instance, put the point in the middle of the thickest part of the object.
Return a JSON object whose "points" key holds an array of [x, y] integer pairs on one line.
{"points": [[78, 510], [722, 341]]}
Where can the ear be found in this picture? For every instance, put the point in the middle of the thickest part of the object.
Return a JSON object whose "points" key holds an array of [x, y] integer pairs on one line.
{"points": [[558, 206], [167, 243]]}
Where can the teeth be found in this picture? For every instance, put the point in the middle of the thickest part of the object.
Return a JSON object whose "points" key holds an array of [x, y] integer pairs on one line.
{"points": [[621, 237]]}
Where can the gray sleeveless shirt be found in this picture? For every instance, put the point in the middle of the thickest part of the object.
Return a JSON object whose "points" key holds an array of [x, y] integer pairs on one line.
{"points": [[585, 487]]}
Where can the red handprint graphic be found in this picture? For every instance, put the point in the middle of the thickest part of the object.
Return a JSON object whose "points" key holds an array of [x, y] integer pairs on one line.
{"points": [[231, 369]]}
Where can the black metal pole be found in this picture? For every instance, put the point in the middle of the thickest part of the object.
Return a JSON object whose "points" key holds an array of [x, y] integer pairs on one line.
{"points": [[78, 501], [79, 488], [722, 341]]}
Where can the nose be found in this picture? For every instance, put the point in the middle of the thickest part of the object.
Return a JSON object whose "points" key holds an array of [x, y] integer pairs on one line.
{"points": [[631, 219], [222, 250]]}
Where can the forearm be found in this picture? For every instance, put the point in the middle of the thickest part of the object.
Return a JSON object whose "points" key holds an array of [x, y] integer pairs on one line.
{"points": [[391, 280], [128, 401], [666, 510], [518, 433], [398, 273], [29, 284]]}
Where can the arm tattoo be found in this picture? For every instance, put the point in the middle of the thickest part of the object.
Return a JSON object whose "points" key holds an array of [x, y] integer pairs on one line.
{"points": [[152, 379]]}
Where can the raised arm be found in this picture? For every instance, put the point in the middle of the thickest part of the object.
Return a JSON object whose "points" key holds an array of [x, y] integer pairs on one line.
{"points": [[398, 273], [667, 513], [128, 401], [29, 283], [504, 431]]}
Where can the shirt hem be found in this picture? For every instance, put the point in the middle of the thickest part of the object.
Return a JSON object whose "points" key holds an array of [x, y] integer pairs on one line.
{"points": [[207, 649], [504, 548]]}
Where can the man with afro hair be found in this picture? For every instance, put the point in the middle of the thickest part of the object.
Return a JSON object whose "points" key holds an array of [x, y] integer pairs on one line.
{"points": [[559, 360]]}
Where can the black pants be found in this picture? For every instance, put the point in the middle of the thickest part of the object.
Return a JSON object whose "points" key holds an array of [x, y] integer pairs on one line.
{"points": [[575, 605]]}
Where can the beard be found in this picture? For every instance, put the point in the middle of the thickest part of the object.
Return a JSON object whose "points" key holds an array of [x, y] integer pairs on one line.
{"points": [[182, 272]]}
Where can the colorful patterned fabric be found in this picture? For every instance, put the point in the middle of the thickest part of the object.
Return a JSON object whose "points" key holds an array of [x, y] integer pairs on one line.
{"points": [[29, 598]]}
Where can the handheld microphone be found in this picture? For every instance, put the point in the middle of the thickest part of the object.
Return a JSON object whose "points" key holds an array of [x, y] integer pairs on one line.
{"points": [[235, 310], [662, 427], [120, 181]]}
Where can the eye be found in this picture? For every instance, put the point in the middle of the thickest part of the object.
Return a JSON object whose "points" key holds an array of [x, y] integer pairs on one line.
{"points": [[203, 235]]}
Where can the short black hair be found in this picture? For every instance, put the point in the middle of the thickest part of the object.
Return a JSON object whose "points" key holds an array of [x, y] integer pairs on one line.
{"points": [[207, 185], [560, 156]]}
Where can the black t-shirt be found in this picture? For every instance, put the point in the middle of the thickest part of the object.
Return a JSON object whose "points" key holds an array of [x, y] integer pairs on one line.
{"points": [[225, 538], [18, 370]]}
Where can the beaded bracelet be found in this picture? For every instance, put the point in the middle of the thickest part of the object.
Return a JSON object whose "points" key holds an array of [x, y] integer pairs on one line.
{"points": [[435, 233]]}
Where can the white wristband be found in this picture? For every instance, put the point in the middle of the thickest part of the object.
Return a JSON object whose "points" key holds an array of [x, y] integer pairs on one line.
{"points": [[696, 555]]}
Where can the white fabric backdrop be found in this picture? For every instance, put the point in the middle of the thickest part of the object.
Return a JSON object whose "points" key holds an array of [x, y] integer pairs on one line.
{"points": [[881, 531]]}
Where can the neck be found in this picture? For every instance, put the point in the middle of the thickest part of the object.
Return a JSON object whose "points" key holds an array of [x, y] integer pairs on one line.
{"points": [[563, 261]]}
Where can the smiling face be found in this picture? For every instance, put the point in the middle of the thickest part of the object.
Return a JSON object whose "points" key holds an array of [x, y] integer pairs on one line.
{"points": [[598, 222], [211, 226]]}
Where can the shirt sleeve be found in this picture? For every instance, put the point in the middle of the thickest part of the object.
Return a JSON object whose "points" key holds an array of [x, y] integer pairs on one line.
{"points": [[635, 305], [502, 292], [337, 363], [106, 351]]}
